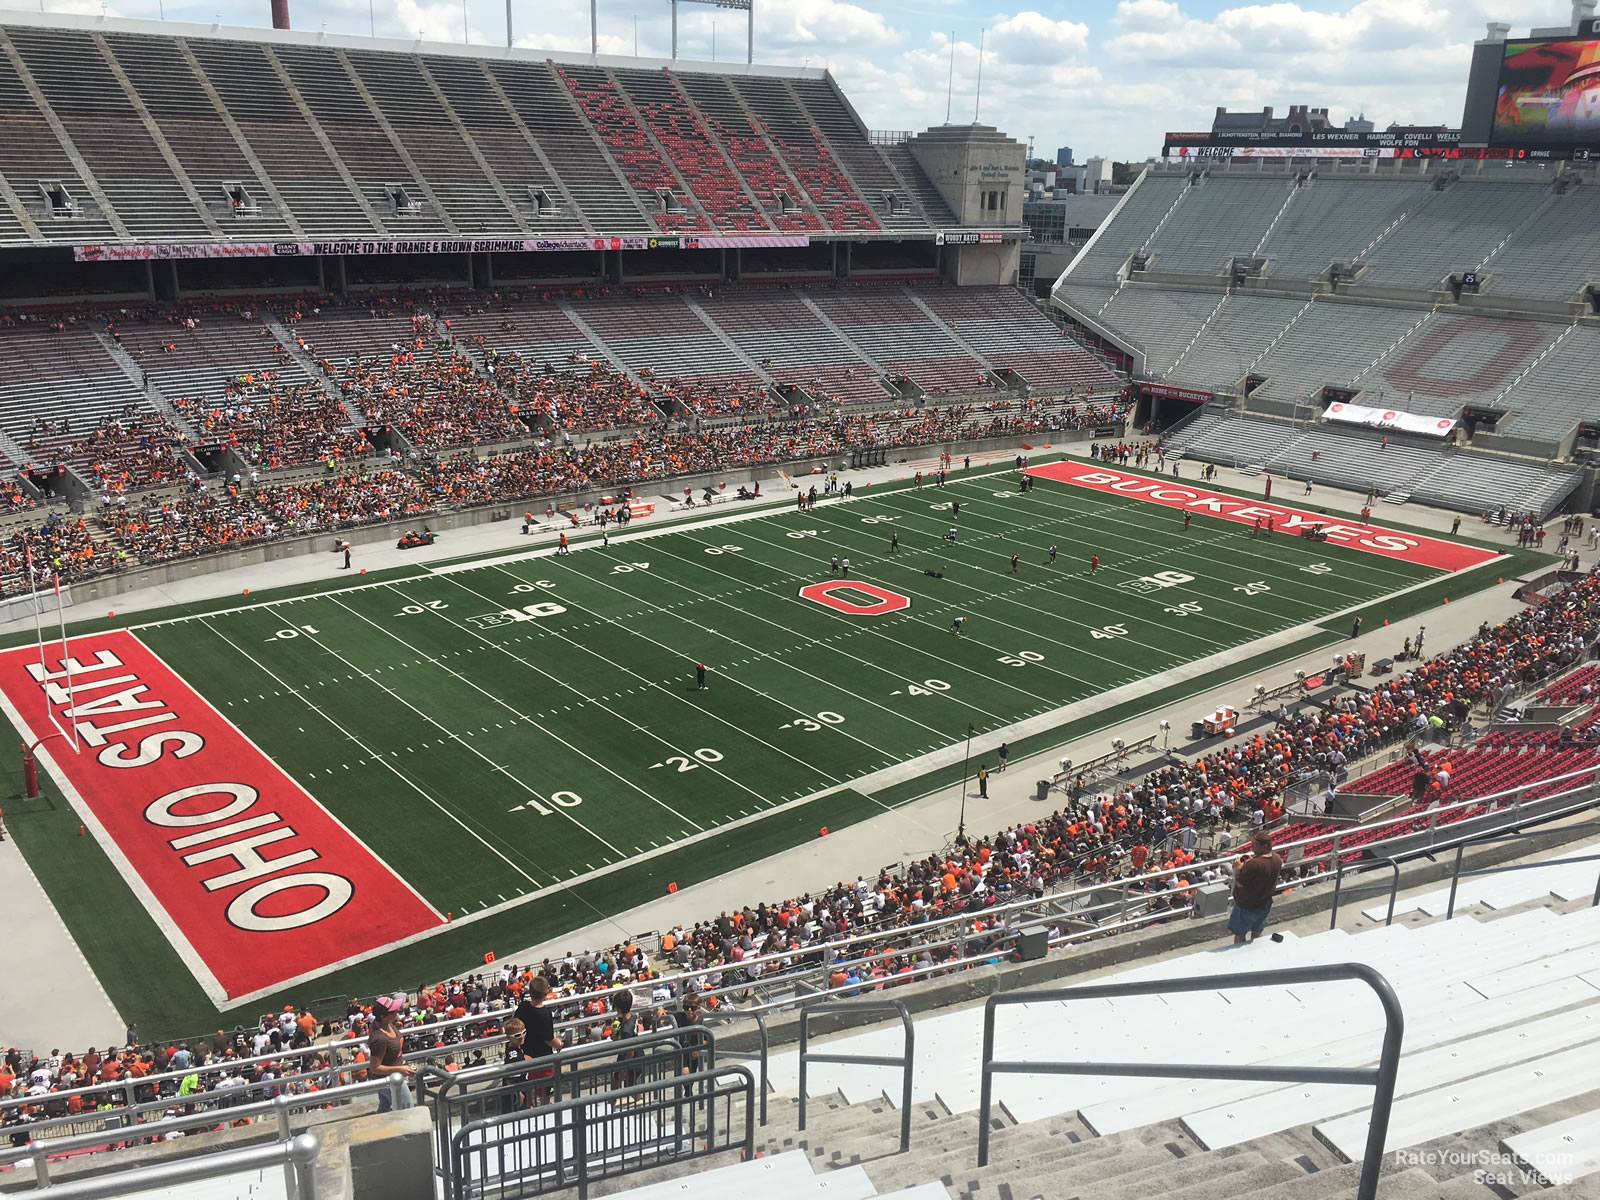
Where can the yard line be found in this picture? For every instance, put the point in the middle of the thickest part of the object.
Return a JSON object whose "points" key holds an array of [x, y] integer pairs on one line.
{"points": [[856, 629], [773, 656], [412, 783], [1119, 614], [639, 728], [971, 639], [552, 736], [1116, 514], [1122, 561]]}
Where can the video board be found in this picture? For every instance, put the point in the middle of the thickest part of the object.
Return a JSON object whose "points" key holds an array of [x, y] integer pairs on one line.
{"points": [[1548, 94]]}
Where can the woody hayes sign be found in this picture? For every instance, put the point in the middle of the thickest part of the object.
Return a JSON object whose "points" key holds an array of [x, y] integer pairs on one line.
{"points": [[253, 882]]}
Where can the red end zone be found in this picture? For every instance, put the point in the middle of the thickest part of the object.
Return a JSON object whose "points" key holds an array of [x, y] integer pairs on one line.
{"points": [[252, 880], [1411, 547]]}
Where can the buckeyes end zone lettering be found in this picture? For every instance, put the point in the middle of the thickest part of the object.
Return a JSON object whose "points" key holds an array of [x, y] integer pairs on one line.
{"points": [[1374, 539]]}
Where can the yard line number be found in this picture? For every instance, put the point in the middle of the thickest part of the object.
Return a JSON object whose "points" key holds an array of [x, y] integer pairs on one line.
{"points": [[283, 635], [683, 763], [411, 610], [811, 726], [1021, 658], [559, 799]]}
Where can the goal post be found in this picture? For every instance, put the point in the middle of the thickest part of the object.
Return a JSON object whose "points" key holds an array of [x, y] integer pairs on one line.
{"points": [[69, 731]]}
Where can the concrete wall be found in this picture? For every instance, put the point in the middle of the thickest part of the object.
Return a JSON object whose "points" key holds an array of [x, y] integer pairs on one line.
{"points": [[972, 266], [969, 162]]}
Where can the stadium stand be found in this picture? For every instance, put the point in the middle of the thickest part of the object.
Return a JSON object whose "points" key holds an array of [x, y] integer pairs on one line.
{"points": [[1333, 219], [54, 371], [1350, 288], [1457, 479], [216, 136]]}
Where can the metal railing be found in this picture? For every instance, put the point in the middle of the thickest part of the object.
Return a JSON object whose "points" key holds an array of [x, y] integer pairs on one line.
{"points": [[906, 1062], [761, 1057], [1509, 834], [577, 1142], [1393, 887], [462, 1098], [1381, 1078], [295, 1156], [124, 1126]]}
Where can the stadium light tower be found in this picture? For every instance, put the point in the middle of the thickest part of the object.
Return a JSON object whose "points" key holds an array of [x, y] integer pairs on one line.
{"points": [[746, 6]]}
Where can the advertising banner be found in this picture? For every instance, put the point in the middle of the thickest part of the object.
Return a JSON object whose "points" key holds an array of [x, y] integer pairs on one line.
{"points": [[1389, 418], [191, 250]]}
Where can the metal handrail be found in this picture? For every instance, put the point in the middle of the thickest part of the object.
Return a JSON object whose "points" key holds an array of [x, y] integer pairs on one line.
{"points": [[1506, 834], [761, 1057], [1382, 1078], [295, 1155], [906, 1062], [463, 1096], [685, 1089], [1338, 885], [212, 1105]]}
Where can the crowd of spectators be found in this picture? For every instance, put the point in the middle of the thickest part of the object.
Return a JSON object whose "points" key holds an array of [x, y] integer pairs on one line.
{"points": [[1130, 829], [60, 548], [137, 449], [588, 395], [14, 498], [205, 518], [272, 423]]}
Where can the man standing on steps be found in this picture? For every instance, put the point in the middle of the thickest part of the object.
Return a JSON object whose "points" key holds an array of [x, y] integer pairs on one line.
{"points": [[1254, 884]]}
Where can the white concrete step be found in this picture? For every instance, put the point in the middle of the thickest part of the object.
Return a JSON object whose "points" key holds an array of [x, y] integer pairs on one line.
{"points": [[923, 1191], [779, 1175], [847, 1183], [1218, 1114], [1346, 1031], [1560, 1153], [1473, 1102], [1564, 881], [1302, 1104]]}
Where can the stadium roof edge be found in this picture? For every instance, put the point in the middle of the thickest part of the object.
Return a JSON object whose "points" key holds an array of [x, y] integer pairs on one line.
{"points": [[345, 41]]}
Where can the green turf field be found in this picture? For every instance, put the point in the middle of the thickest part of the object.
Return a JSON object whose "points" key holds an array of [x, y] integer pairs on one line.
{"points": [[493, 729]]}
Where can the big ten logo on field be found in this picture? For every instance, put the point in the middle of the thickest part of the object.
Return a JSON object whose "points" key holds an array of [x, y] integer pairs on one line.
{"points": [[855, 598], [1154, 583]]}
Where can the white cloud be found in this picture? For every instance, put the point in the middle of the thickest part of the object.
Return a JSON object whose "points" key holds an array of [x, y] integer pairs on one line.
{"points": [[1031, 39]]}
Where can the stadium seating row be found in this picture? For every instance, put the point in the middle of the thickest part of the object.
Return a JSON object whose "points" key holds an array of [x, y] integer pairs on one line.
{"points": [[312, 381], [1383, 334], [296, 140], [1459, 479]]}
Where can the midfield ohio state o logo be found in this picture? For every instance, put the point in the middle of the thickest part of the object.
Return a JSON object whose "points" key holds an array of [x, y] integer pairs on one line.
{"points": [[836, 594]]}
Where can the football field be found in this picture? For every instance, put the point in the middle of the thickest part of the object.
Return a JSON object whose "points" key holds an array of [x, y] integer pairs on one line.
{"points": [[396, 761]]}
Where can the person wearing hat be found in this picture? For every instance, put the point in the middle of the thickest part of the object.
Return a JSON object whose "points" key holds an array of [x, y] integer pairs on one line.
{"points": [[385, 1045]]}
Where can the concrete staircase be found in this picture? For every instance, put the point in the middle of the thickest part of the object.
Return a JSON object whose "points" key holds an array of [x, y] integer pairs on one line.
{"points": [[1498, 1093]]}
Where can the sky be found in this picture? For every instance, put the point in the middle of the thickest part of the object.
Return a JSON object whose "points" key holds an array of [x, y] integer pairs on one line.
{"points": [[1105, 77]]}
